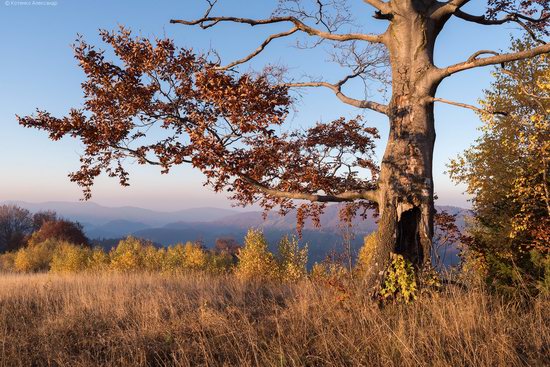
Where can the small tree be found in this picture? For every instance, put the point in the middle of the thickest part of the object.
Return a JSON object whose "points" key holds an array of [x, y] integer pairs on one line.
{"points": [[15, 225], [35, 258], [185, 257], [99, 260], [508, 172], [69, 258], [291, 259], [60, 230], [220, 262], [128, 255], [255, 259], [365, 254]]}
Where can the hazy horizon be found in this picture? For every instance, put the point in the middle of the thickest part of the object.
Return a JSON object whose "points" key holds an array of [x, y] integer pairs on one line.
{"points": [[152, 208]]}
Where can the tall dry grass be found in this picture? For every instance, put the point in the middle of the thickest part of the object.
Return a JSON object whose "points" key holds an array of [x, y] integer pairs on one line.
{"points": [[138, 320]]}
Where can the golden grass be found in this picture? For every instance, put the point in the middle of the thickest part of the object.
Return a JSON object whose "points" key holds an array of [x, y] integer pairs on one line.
{"points": [[139, 320]]}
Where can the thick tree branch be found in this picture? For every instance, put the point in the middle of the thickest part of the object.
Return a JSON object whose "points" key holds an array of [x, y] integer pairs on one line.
{"points": [[440, 10], [474, 62], [347, 196], [468, 106], [385, 8], [208, 21], [337, 89]]}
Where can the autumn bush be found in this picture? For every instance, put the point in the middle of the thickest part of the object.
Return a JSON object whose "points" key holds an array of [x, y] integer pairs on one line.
{"points": [[256, 261], [68, 258], [35, 258], [291, 259], [131, 255], [506, 170]]}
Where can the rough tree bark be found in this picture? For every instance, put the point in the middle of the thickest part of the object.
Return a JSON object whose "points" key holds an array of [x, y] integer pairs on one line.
{"points": [[405, 200]]}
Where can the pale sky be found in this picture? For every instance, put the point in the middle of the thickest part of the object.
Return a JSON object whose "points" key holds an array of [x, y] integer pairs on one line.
{"points": [[37, 70]]}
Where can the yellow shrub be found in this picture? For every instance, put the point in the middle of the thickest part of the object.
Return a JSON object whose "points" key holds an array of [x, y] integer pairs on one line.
{"points": [[128, 255], [69, 258], [292, 260], [366, 253], [329, 271], [400, 281], [219, 263], [318, 272], [99, 260], [153, 258], [255, 260], [186, 257], [194, 256], [35, 258]]}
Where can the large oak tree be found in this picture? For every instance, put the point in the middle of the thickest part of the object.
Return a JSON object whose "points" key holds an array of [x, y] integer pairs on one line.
{"points": [[224, 122]]}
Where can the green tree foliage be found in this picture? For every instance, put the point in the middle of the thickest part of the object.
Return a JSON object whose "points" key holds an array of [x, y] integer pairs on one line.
{"points": [[507, 172], [400, 281]]}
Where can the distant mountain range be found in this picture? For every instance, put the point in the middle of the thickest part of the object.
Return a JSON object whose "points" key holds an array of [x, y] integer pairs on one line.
{"points": [[91, 214], [208, 224]]}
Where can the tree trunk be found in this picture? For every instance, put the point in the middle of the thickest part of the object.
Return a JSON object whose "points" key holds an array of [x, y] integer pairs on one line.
{"points": [[406, 205]]}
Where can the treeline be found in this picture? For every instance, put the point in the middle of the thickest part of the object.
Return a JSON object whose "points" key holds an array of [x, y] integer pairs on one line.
{"points": [[253, 261], [20, 228]]}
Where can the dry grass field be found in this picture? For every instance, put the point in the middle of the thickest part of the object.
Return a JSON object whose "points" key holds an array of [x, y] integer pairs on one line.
{"points": [[155, 320]]}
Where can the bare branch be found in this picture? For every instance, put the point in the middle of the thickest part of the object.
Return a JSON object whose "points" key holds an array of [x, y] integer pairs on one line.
{"points": [[208, 22], [474, 62], [481, 19], [347, 196], [337, 89], [517, 18], [510, 17], [468, 106], [481, 52], [259, 49]]}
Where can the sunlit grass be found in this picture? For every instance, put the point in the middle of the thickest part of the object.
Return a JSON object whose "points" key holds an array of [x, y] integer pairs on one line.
{"points": [[188, 320]]}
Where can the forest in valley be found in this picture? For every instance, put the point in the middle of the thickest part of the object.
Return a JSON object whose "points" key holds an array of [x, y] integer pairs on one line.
{"points": [[370, 272]]}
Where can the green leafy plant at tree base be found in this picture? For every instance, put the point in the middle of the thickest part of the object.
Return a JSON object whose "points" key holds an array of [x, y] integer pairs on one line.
{"points": [[400, 281]]}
